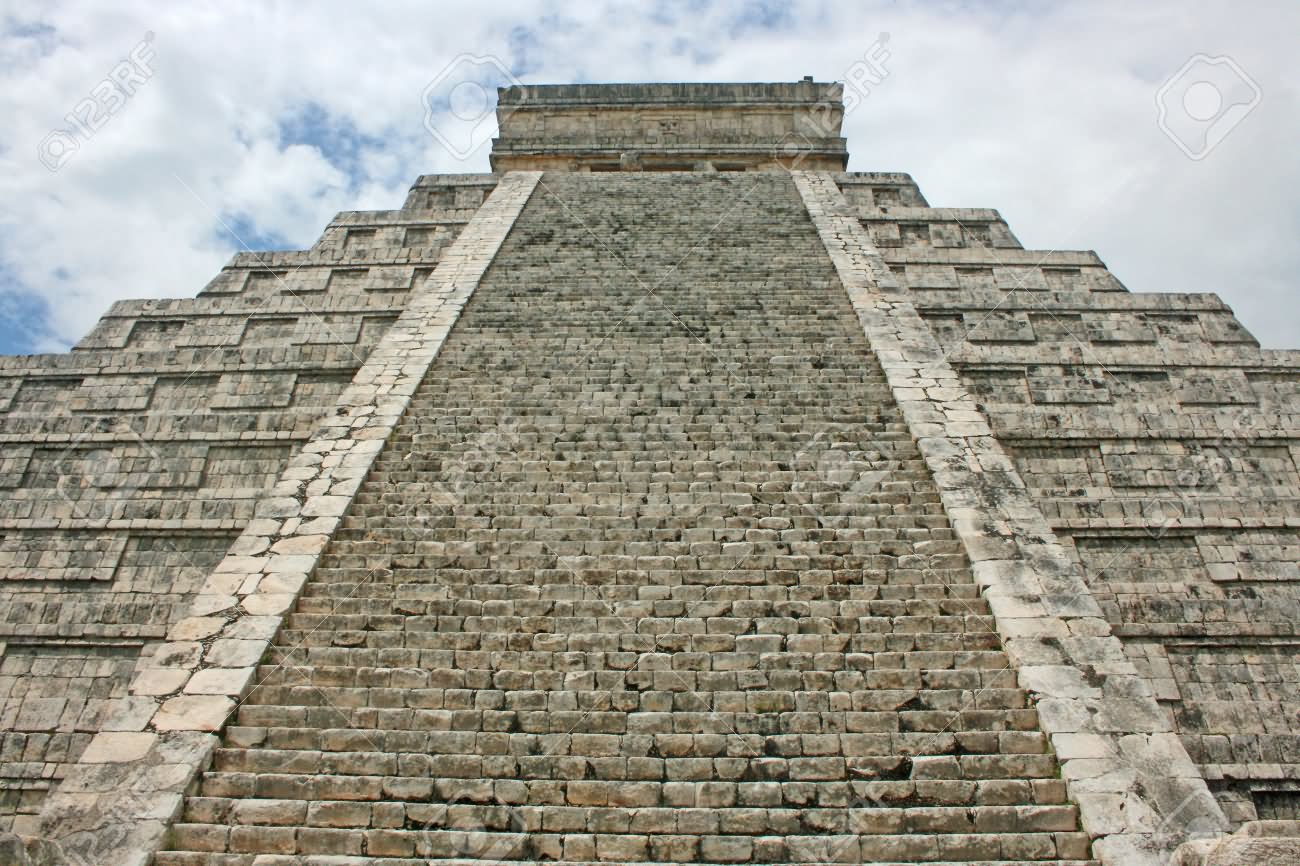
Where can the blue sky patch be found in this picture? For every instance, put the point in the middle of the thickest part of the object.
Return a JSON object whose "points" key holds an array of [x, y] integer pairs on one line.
{"points": [[240, 230], [335, 136], [24, 317]]}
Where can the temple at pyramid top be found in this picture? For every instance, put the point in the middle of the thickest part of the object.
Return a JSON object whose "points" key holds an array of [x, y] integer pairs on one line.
{"points": [[670, 127]]}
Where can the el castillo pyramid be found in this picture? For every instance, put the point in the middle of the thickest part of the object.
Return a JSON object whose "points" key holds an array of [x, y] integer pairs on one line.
{"points": [[666, 495]]}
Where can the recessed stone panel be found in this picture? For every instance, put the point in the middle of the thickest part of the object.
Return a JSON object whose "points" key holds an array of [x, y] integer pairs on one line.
{"points": [[253, 390], [40, 555]]}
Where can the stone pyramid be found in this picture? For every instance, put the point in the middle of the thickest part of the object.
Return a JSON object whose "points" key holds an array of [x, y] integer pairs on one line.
{"points": [[667, 495]]}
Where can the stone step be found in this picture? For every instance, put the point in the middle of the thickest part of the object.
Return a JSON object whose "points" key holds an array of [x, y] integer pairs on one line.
{"points": [[660, 744], [827, 586], [641, 577], [864, 793], [867, 617], [967, 719], [477, 845], [894, 652], [794, 582], [549, 670], [717, 672], [727, 676], [741, 688], [938, 633], [835, 794], [671, 599], [956, 617], [824, 599], [856, 630], [717, 614], [577, 773], [202, 858], [739, 710], [634, 815], [647, 757]]}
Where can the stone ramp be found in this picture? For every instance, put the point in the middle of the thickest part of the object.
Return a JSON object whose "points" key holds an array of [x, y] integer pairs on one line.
{"points": [[651, 571]]}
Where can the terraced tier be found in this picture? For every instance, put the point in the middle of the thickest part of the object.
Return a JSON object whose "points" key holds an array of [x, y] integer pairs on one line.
{"points": [[651, 571]]}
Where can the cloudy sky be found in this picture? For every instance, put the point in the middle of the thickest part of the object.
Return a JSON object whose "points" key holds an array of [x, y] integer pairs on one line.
{"points": [[252, 124]]}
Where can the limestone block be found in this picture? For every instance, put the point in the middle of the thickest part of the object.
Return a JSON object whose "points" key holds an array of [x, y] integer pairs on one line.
{"points": [[117, 748], [193, 713]]}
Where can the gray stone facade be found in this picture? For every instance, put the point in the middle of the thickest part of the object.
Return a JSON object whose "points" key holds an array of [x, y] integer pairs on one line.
{"points": [[670, 127], [627, 513]]}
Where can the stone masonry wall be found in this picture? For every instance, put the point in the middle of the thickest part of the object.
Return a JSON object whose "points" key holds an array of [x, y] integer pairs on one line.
{"points": [[116, 802], [651, 570], [131, 463], [1122, 469], [1139, 794], [1162, 445]]}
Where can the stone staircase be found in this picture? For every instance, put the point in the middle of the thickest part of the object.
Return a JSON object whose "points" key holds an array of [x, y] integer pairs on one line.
{"points": [[651, 571]]}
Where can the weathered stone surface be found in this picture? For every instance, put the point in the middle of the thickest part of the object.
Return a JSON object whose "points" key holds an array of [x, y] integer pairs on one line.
{"points": [[257, 582], [676, 694], [1240, 852], [733, 519], [13, 851], [1137, 801], [203, 712], [663, 127], [117, 748]]}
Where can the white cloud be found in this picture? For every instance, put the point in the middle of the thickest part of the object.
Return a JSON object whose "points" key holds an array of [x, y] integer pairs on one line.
{"points": [[1045, 113]]}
